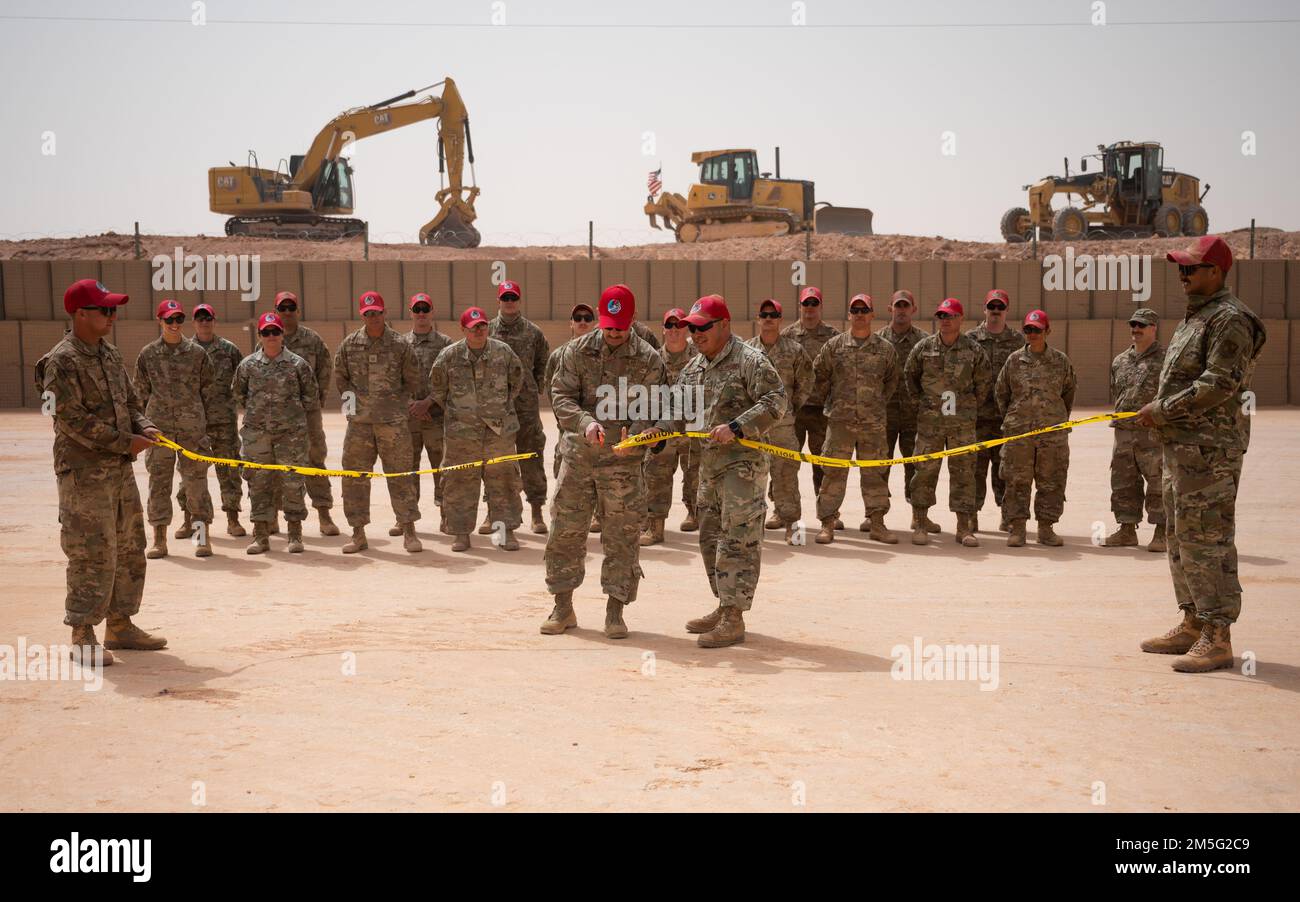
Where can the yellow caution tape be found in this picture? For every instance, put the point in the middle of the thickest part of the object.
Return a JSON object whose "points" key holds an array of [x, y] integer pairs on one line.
{"points": [[820, 461], [318, 471]]}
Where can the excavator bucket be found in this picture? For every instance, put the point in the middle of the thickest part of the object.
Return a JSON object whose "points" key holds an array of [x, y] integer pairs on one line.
{"points": [[831, 220], [453, 231]]}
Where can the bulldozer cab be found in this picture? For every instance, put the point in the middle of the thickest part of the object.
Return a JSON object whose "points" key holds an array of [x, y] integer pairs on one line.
{"points": [[735, 170], [1136, 171]]}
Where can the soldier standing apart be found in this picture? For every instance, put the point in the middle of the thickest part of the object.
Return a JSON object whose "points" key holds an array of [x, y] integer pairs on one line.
{"points": [[809, 419], [277, 390], [582, 319], [660, 467], [743, 397], [1134, 378], [174, 378], [949, 375], [425, 419], [223, 426], [900, 417], [1035, 388], [999, 343], [475, 381], [858, 373], [593, 377], [308, 345], [376, 372], [99, 429], [525, 338], [796, 370], [1201, 415]]}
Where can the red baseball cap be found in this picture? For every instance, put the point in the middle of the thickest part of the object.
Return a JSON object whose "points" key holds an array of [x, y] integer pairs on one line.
{"points": [[1037, 318], [285, 296], [810, 292], [370, 300], [206, 308], [678, 313], [950, 305], [773, 303], [617, 307], [420, 298], [166, 307], [709, 308], [1207, 249], [864, 298], [508, 287], [1000, 295], [270, 319], [90, 293], [472, 317], [902, 294]]}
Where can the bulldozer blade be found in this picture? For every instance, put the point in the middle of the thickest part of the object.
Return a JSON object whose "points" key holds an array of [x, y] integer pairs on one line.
{"points": [[842, 221]]}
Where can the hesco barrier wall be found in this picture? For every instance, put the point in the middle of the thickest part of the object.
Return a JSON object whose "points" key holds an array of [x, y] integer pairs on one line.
{"points": [[1089, 325]]}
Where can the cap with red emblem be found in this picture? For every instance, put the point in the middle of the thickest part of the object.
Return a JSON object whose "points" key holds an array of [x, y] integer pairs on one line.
{"points": [[1037, 318], [676, 313], [90, 293], [951, 306], [811, 291], [1207, 249], [508, 288], [860, 299], [707, 309], [617, 307], [371, 300], [270, 319], [997, 294], [204, 308], [472, 317], [283, 296], [167, 307], [773, 303], [420, 298]]}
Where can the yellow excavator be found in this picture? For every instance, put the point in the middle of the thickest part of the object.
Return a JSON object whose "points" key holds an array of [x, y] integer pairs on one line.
{"points": [[310, 195], [734, 200]]}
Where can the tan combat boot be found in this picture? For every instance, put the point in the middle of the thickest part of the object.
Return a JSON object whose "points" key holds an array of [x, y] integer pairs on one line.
{"points": [[1048, 536], [461, 543], [327, 526], [1124, 537], [122, 633], [261, 543], [562, 616], [1158, 543], [358, 541], [159, 547], [653, 534], [204, 548], [395, 529], [966, 531], [485, 528], [409, 540], [1179, 640], [930, 526], [539, 522], [773, 522], [83, 647], [876, 529], [1004, 525], [295, 537], [1016, 534], [826, 534], [274, 526], [233, 526], [729, 631], [510, 543], [690, 524], [839, 525], [615, 628], [920, 531], [186, 527], [1212, 651], [705, 623]]}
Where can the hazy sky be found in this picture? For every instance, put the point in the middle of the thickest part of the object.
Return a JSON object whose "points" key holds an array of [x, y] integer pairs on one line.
{"points": [[561, 95]]}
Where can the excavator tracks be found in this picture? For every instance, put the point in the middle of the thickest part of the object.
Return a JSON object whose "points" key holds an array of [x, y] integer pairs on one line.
{"points": [[319, 228]]}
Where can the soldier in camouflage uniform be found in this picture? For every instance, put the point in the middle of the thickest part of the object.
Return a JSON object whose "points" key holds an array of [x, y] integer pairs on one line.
{"points": [[379, 368], [595, 372], [1035, 388], [646, 334], [743, 398], [582, 319], [999, 343], [277, 390], [223, 426], [173, 376], [676, 452], [425, 419], [528, 342], [812, 334], [476, 382], [950, 376], [900, 417], [99, 429], [1202, 412], [1134, 378], [857, 372]]}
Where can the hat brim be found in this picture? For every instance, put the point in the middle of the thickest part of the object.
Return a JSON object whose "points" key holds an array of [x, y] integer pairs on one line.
{"points": [[699, 319], [113, 300], [1182, 258], [368, 307], [614, 322]]}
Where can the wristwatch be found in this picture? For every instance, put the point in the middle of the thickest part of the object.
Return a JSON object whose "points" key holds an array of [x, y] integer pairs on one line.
{"points": [[736, 430]]}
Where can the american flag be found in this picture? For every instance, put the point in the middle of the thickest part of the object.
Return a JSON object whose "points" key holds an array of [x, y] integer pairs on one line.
{"points": [[653, 183]]}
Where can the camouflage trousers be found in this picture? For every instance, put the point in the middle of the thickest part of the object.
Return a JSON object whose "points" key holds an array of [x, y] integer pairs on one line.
{"points": [[499, 482], [532, 437], [318, 487], [783, 490], [363, 444], [1137, 456], [843, 438], [161, 464], [677, 453], [988, 464], [427, 439], [731, 529], [810, 429], [275, 448], [1040, 463], [620, 488], [961, 468], [223, 439], [1200, 489], [102, 533], [900, 434]]}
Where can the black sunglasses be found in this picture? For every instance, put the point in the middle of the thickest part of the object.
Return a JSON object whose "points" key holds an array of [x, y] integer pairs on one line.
{"points": [[943, 315], [859, 310], [203, 318], [704, 328], [1134, 324], [508, 298], [996, 305], [421, 308], [1031, 330], [107, 311], [768, 314], [678, 324], [1188, 270], [175, 319], [269, 333], [810, 302], [287, 308], [583, 317]]}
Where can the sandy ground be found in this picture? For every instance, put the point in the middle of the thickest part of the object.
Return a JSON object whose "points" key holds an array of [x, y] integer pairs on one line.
{"points": [[457, 703]]}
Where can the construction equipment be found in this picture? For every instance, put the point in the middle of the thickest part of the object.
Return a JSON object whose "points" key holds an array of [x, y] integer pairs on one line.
{"points": [[311, 194], [1132, 194], [735, 200]]}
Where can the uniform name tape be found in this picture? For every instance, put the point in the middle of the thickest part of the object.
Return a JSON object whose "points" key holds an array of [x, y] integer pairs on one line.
{"points": [[820, 461], [318, 471]]}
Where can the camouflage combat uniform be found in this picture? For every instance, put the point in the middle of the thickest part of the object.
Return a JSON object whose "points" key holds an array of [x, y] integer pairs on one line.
{"points": [[223, 421], [551, 363], [900, 414], [810, 419], [477, 391], [988, 422], [383, 375], [176, 386], [1033, 391], [426, 434], [646, 334], [530, 346], [1136, 456], [308, 345], [676, 453], [962, 373], [589, 472], [858, 376], [741, 386], [1204, 430], [278, 395], [96, 411]]}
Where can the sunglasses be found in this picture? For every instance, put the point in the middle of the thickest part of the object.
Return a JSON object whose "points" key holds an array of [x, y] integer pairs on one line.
{"points": [[107, 311], [287, 308], [1031, 330], [583, 318], [943, 316], [421, 308], [859, 311], [810, 302], [175, 320], [704, 328], [768, 314], [270, 333], [203, 318], [997, 305], [509, 299], [370, 313], [680, 324], [1188, 270], [1136, 325]]}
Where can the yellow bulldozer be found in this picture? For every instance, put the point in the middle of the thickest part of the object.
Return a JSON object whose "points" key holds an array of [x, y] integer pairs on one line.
{"points": [[311, 194], [1131, 194], [734, 200]]}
